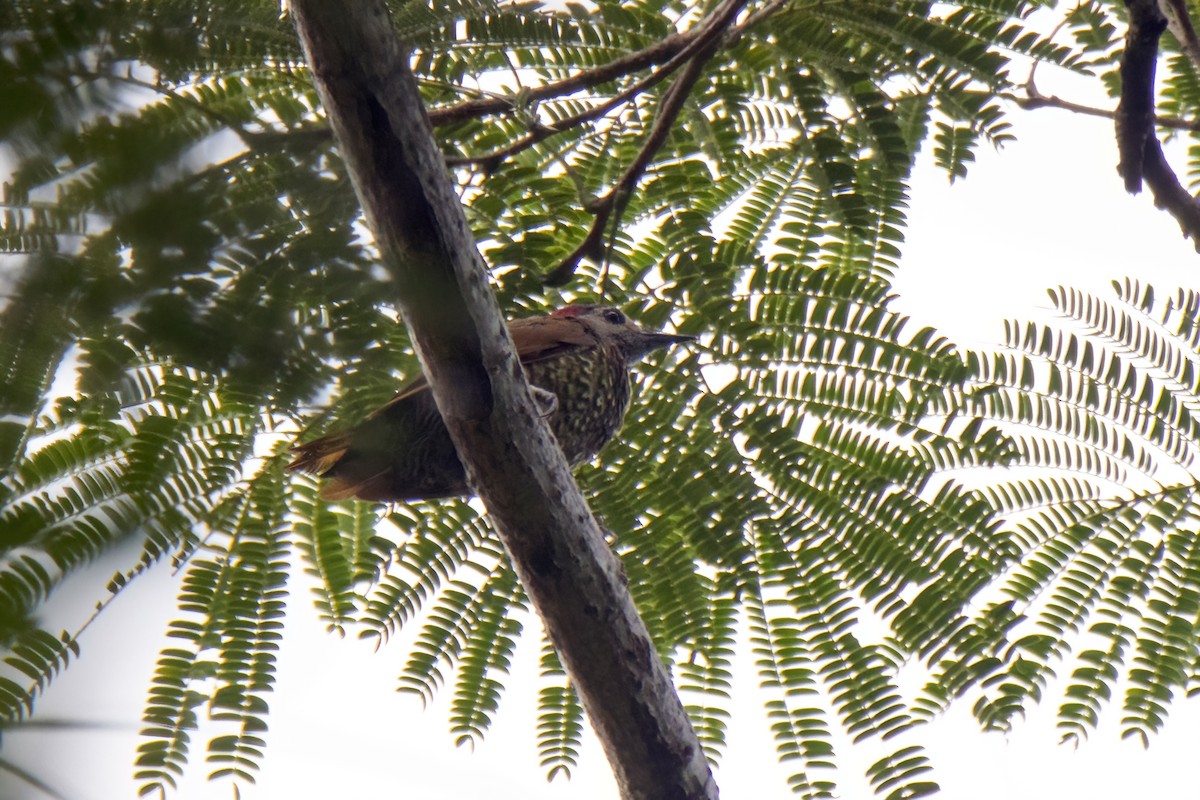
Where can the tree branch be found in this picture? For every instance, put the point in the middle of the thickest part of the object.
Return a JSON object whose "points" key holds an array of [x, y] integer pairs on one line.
{"points": [[1141, 153], [657, 53], [701, 39], [573, 579], [542, 132], [1135, 112], [1179, 22], [1169, 193], [613, 204]]}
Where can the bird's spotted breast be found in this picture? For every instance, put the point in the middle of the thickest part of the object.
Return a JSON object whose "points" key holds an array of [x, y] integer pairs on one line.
{"points": [[592, 388]]}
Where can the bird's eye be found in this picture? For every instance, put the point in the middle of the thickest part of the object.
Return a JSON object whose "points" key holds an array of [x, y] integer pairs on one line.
{"points": [[614, 316]]}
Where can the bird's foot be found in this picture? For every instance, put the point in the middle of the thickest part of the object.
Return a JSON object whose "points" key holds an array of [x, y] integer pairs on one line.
{"points": [[545, 400]]}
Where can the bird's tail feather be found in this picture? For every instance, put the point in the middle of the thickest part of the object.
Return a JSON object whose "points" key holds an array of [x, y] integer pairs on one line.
{"points": [[329, 454], [320, 455]]}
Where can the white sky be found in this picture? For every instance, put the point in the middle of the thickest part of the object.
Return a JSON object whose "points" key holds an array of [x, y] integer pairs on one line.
{"points": [[1047, 210]]}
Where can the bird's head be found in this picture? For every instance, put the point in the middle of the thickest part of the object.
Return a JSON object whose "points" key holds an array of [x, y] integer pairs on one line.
{"points": [[610, 324]]}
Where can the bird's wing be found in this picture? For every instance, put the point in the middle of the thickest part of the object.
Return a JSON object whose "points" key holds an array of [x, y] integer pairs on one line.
{"points": [[377, 458], [540, 338], [323, 453], [536, 339]]}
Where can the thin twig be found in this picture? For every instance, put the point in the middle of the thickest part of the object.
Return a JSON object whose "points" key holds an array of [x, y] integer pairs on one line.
{"points": [[540, 132], [656, 53], [756, 17], [701, 39], [1034, 99], [613, 203], [1030, 85]]}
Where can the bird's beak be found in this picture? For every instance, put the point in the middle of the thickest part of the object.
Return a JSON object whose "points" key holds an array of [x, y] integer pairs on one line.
{"points": [[650, 341], [658, 340]]}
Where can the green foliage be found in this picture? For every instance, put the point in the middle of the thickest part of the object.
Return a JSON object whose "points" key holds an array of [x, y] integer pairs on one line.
{"points": [[34, 659], [235, 605], [196, 291], [560, 722], [1103, 514]]}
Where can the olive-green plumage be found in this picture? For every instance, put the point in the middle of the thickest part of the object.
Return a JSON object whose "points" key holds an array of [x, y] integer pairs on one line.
{"points": [[578, 360]]}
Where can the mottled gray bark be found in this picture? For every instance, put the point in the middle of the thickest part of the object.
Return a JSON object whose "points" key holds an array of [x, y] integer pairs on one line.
{"points": [[575, 582]]}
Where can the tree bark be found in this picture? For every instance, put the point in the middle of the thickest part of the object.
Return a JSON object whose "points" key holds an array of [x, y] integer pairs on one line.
{"points": [[575, 582]]}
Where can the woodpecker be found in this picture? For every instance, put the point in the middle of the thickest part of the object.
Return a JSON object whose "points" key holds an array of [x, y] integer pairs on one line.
{"points": [[577, 361]]}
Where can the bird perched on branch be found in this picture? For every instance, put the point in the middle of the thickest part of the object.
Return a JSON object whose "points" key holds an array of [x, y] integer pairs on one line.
{"points": [[577, 360]]}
